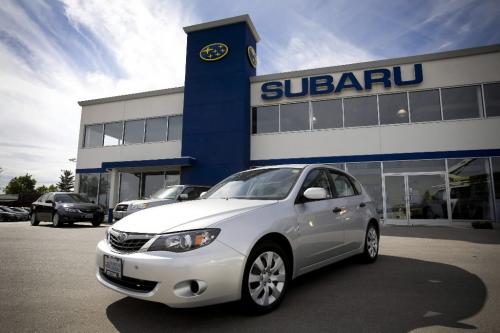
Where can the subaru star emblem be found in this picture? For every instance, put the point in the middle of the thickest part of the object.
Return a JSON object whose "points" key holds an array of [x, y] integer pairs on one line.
{"points": [[214, 51], [121, 237], [252, 56]]}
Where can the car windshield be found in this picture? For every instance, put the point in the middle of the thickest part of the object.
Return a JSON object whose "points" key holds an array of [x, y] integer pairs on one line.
{"points": [[70, 198], [261, 184], [5, 209], [16, 209], [170, 192]]}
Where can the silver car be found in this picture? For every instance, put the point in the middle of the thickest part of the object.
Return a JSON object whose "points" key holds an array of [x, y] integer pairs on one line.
{"points": [[246, 240], [164, 196]]}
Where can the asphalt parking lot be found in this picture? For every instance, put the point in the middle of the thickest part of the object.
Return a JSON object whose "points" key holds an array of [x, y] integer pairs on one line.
{"points": [[426, 279]]}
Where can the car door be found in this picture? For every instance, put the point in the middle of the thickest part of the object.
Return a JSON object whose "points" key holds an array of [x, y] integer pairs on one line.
{"points": [[351, 204], [37, 206], [320, 228], [46, 208]]}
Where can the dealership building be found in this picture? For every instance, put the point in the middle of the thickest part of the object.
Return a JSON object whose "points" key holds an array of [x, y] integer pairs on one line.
{"points": [[422, 133]]}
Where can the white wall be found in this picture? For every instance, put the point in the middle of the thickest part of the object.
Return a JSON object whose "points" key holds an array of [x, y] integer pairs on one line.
{"points": [[170, 104]]}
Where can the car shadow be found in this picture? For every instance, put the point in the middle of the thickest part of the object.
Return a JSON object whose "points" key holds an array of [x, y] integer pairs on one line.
{"points": [[479, 236], [393, 295]]}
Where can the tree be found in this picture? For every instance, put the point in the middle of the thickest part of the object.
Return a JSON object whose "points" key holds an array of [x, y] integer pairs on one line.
{"points": [[21, 185], [44, 189], [67, 181]]}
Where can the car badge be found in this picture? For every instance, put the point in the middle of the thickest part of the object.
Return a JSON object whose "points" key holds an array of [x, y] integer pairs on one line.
{"points": [[121, 237], [252, 56], [214, 51]]}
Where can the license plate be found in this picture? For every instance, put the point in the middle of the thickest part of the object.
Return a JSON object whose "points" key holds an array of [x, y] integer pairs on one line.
{"points": [[113, 266], [89, 216]]}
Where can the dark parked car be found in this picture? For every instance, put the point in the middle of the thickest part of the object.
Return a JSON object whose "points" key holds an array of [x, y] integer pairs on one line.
{"points": [[62, 207], [24, 214], [6, 215]]}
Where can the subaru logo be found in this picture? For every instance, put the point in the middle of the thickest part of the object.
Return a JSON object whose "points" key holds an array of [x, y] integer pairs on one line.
{"points": [[214, 51], [252, 56], [121, 237]]}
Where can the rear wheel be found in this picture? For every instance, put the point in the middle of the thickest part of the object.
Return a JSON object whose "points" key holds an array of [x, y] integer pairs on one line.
{"points": [[266, 277], [56, 221], [34, 220], [96, 223], [370, 253]]}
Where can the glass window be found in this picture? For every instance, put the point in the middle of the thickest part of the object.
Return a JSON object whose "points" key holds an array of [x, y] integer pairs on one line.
{"points": [[470, 189], [294, 117], [156, 129], [342, 187], [425, 106], [172, 178], [113, 134], [393, 108], [89, 183], [461, 102], [317, 178], [152, 182], [129, 186], [492, 99], [496, 179], [93, 136], [414, 166], [265, 119], [192, 192], [327, 114], [174, 128], [360, 111], [134, 131], [103, 198], [370, 176]]}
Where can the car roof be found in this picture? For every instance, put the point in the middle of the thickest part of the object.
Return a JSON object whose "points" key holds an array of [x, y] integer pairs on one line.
{"points": [[298, 166]]}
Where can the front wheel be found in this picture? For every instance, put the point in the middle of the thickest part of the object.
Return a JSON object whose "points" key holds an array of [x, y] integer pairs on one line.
{"points": [[34, 221], [96, 223], [370, 253], [56, 221], [265, 280]]}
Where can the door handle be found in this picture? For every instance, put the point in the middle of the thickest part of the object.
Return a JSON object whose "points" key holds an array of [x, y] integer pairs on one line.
{"points": [[337, 210], [361, 205]]}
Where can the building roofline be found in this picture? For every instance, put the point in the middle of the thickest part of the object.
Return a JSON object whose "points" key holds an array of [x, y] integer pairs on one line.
{"points": [[379, 63], [151, 93], [227, 21]]}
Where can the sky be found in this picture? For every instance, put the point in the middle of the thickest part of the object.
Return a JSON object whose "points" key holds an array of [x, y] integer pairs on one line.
{"points": [[56, 53]]}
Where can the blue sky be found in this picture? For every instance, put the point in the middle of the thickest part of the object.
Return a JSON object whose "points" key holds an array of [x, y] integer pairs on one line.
{"points": [[54, 53]]}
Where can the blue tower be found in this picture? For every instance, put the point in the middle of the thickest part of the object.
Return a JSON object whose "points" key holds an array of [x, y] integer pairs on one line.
{"points": [[220, 60]]}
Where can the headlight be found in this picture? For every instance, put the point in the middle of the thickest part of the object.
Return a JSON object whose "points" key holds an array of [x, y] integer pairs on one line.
{"points": [[184, 241], [71, 210], [140, 206]]}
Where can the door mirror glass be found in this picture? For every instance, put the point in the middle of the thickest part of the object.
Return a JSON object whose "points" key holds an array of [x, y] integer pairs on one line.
{"points": [[315, 193], [183, 196]]}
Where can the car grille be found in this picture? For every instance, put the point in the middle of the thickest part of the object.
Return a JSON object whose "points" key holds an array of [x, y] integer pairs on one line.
{"points": [[87, 210], [126, 282], [121, 208], [132, 244]]}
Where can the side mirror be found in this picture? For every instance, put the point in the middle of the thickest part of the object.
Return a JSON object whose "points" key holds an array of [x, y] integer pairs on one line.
{"points": [[315, 193], [203, 194], [183, 196]]}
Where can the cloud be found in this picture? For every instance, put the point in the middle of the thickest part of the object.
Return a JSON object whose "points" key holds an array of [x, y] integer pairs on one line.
{"points": [[53, 54]]}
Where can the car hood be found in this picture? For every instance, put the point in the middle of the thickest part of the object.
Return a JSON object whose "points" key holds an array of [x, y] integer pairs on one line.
{"points": [[139, 201], [187, 215]]}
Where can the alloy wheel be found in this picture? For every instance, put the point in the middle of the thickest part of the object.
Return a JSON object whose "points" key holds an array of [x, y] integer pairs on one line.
{"points": [[266, 278], [372, 242]]}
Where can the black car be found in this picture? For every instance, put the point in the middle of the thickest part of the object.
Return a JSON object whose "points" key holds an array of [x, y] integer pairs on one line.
{"points": [[62, 207], [23, 214], [6, 215]]}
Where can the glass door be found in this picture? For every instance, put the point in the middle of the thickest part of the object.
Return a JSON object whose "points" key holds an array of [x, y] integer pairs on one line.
{"points": [[416, 199]]}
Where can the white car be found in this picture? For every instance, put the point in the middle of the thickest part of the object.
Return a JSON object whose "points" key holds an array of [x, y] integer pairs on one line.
{"points": [[165, 196], [246, 240]]}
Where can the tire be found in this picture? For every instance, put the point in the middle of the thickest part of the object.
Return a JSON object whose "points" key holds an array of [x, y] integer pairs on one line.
{"points": [[33, 220], [269, 267], [370, 254], [96, 223], [56, 220], [2, 219]]}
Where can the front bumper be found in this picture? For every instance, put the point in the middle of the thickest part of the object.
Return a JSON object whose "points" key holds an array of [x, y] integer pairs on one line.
{"points": [[81, 217], [217, 267]]}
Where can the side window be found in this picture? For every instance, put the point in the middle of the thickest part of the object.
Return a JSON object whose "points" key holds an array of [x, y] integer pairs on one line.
{"points": [[342, 187], [191, 192], [357, 185], [317, 178], [42, 198]]}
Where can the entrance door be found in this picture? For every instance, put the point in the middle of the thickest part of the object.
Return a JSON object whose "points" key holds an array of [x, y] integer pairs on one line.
{"points": [[416, 198]]}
